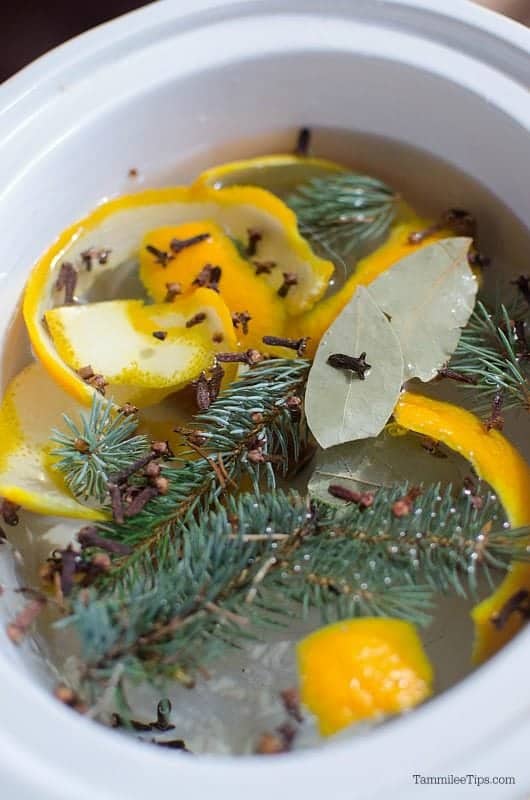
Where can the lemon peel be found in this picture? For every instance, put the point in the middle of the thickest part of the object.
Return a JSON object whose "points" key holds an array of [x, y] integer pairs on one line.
{"points": [[314, 323], [120, 225], [239, 285], [116, 338], [279, 174], [362, 669], [498, 463], [31, 407]]}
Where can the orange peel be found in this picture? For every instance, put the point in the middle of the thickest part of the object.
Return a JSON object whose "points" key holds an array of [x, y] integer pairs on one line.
{"points": [[116, 338], [498, 463], [31, 407], [362, 669], [239, 285], [119, 226], [279, 174]]}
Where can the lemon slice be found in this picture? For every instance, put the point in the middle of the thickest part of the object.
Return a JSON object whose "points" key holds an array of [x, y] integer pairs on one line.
{"points": [[31, 407], [114, 233], [280, 174], [362, 669], [215, 262], [143, 352], [497, 462]]}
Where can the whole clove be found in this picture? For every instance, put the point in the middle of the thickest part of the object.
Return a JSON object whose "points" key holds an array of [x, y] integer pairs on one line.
{"points": [[90, 537], [459, 377], [202, 392], [141, 500], [128, 409], [254, 238], [100, 255], [67, 281], [20, 626], [289, 280], [362, 499], [303, 142], [523, 285], [264, 267], [161, 257], [208, 277], [249, 357], [291, 702], [495, 420], [68, 569], [177, 245], [299, 345], [173, 289], [116, 503], [356, 365], [241, 318], [518, 603], [9, 512], [196, 319]]}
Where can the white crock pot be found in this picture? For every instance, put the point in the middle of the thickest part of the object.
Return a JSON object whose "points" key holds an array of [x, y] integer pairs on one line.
{"points": [[159, 86]]}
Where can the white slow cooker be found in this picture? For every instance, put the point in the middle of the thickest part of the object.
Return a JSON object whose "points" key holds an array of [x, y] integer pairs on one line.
{"points": [[158, 86]]}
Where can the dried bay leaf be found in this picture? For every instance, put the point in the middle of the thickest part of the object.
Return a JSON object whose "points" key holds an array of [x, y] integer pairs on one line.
{"points": [[340, 407], [429, 297], [382, 462]]}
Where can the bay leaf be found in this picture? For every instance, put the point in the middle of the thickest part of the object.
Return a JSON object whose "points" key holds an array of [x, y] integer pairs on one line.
{"points": [[429, 297], [370, 464], [340, 407]]}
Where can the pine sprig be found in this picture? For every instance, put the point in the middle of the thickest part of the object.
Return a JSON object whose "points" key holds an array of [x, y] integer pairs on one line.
{"points": [[177, 615], [249, 432], [493, 350], [264, 559], [102, 443], [446, 542], [339, 214]]}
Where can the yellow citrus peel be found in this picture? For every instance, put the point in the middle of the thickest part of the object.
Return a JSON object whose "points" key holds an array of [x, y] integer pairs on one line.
{"points": [[119, 226], [362, 669], [116, 338], [498, 463], [31, 407], [314, 323], [239, 285], [279, 174]]}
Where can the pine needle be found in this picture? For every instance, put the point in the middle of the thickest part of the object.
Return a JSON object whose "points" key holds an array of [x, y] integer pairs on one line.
{"points": [[491, 350], [341, 214], [102, 443]]}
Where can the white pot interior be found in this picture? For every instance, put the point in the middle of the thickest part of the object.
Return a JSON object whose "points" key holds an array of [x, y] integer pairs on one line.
{"points": [[226, 83]]}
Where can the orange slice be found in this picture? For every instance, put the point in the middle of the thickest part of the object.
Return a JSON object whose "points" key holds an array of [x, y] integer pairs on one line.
{"points": [[362, 669], [497, 462], [114, 232]]}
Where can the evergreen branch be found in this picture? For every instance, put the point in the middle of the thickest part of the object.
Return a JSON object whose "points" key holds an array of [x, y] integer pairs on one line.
{"points": [[341, 213], [245, 431], [263, 559], [445, 541], [493, 350], [175, 616], [101, 444]]}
